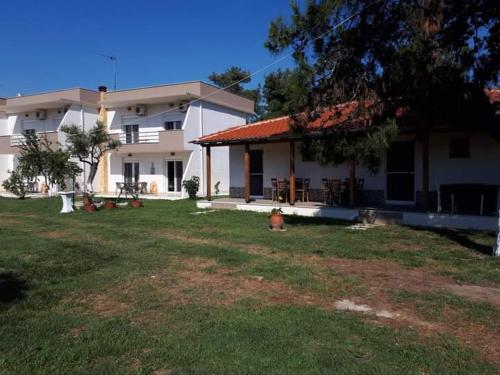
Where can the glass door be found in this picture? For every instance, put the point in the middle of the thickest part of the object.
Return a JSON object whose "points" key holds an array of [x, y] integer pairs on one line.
{"points": [[131, 172], [256, 173], [400, 183], [174, 175], [131, 133]]}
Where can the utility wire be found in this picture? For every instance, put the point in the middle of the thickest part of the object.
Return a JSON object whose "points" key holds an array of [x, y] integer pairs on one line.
{"points": [[264, 68]]}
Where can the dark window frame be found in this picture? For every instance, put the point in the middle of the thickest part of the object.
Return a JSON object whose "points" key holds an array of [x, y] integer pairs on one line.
{"points": [[172, 125], [459, 148]]}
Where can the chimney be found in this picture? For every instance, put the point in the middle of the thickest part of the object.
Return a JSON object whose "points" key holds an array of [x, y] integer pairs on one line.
{"points": [[102, 110]]}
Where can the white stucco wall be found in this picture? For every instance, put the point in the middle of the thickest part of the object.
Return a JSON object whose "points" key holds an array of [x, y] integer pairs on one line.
{"points": [[483, 166]]}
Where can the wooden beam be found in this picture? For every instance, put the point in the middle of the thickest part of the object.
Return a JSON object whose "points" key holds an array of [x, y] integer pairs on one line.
{"points": [[424, 199], [247, 173], [352, 182], [209, 173], [292, 173]]}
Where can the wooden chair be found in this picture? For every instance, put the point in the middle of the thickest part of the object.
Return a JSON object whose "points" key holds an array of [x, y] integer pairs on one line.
{"points": [[282, 190], [337, 191], [327, 193], [299, 188], [274, 189], [307, 182]]}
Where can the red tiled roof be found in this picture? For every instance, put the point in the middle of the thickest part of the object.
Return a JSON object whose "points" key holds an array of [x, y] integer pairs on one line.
{"points": [[494, 94], [278, 128]]}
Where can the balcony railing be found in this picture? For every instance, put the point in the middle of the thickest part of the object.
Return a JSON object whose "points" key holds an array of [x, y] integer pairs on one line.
{"points": [[140, 137], [19, 139]]}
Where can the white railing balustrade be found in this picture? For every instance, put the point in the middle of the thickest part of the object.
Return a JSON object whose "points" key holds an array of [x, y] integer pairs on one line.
{"points": [[140, 137]]}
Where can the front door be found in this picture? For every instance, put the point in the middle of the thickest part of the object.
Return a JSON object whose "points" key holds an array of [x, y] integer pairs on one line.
{"points": [[256, 173], [400, 184], [131, 172], [174, 176]]}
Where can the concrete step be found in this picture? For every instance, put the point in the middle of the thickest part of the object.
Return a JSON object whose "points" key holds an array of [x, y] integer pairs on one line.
{"points": [[223, 205], [370, 216]]}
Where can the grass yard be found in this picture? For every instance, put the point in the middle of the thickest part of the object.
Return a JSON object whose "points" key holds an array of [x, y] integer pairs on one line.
{"points": [[161, 290]]}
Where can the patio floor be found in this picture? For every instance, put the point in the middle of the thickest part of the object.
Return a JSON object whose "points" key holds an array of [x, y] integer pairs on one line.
{"points": [[378, 215]]}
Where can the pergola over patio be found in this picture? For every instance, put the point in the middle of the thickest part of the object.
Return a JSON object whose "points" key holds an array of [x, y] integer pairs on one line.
{"points": [[279, 130]]}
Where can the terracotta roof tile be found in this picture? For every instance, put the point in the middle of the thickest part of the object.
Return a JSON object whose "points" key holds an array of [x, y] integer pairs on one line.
{"points": [[276, 128]]}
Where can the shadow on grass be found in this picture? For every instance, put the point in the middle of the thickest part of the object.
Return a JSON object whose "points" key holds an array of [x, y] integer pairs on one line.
{"points": [[313, 220], [462, 238], [12, 288]]}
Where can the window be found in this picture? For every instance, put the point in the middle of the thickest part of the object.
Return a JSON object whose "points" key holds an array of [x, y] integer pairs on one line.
{"points": [[459, 148], [173, 125], [174, 175], [29, 131], [131, 172], [131, 133]]}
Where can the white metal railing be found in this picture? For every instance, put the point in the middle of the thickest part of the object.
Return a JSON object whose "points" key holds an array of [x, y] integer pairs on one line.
{"points": [[139, 137], [19, 139]]}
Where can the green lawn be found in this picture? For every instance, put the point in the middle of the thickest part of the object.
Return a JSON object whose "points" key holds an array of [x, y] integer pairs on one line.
{"points": [[162, 290]]}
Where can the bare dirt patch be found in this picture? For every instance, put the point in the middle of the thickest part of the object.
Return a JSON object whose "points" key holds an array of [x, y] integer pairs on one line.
{"points": [[202, 281], [52, 234], [381, 276]]}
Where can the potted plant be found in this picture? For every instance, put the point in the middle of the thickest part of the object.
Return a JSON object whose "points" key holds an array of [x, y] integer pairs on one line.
{"points": [[276, 220], [109, 204], [192, 186], [88, 203], [136, 202]]}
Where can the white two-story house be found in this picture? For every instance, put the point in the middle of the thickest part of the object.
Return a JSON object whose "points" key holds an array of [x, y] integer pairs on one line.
{"points": [[43, 114], [154, 124]]}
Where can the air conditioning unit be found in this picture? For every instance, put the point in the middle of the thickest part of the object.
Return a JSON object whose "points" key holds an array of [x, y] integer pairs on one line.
{"points": [[41, 114], [140, 110]]}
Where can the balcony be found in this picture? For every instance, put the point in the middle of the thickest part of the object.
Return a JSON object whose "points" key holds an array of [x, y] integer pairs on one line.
{"points": [[9, 144], [150, 141], [140, 137]]}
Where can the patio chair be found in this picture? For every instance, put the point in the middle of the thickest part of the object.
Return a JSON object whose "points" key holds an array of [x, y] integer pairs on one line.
{"points": [[307, 182], [299, 188], [143, 187], [336, 189], [327, 193], [119, 187], [274, 189], [282, 189]]}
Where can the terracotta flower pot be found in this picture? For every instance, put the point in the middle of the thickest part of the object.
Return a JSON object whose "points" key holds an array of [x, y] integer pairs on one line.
{"points": [[136, 203], [109, 205], [276, 221], [89, 207]]}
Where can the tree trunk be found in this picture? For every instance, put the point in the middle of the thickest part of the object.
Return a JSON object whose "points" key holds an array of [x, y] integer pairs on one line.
{"points": [[90, 178], [352, 183], [496, 248]]}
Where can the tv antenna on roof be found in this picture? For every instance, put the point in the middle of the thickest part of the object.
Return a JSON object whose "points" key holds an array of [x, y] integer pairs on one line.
{"points": [[113, 61]]}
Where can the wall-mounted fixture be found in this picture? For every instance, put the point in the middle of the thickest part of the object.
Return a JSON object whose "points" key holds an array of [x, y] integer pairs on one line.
{"points": [[129, 108], [172, 154], [129, 155], [152, 168], [26, 115], [140, 110]]}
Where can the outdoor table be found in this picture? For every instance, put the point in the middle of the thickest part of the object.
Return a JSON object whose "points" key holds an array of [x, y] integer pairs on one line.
{"points": [[67, 198]]}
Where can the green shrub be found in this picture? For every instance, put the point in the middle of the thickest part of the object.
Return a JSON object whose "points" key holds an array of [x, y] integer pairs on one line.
{"points": [[192, 186], [16, 184]]}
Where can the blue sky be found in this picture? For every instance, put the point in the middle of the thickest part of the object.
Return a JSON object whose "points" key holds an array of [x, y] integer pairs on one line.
{"points": [[53, 44]]}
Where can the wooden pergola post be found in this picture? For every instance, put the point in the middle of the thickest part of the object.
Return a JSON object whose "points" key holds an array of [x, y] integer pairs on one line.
{"points": [[292, 173], [247, 173], [352, 182], [424, 199], [209, 173]]}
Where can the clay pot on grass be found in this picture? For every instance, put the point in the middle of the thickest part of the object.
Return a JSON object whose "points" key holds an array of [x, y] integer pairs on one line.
{"points": [[136, 203], [109, 205], [276, 220]]}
